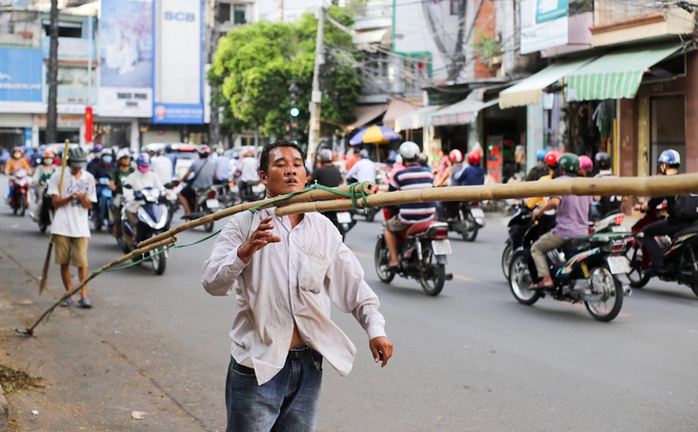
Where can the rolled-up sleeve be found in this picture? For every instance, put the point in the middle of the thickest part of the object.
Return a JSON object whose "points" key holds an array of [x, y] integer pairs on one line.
{"points": [[221, 270], [351, 294]]}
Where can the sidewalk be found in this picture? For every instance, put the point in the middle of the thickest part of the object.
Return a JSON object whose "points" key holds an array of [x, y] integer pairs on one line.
{"points": [[89, 384]]}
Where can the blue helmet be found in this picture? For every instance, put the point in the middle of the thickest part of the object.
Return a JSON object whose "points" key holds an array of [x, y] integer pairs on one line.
{"points": [[143, 160], [670, 157], [540, 154]]}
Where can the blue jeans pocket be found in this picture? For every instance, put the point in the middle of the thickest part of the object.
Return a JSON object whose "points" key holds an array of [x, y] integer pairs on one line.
{"points": [[241, 370], [317, 360]]}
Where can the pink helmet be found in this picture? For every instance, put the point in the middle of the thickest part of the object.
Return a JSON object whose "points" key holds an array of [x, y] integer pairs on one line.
{"points": [[586, 164]]}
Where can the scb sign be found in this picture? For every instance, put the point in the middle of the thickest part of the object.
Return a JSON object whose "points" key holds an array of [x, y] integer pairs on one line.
{"points": [[180, 16]]}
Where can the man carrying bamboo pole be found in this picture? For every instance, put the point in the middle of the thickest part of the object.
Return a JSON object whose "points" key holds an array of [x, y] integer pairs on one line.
{"points": [[70, 226], [286, 272]]}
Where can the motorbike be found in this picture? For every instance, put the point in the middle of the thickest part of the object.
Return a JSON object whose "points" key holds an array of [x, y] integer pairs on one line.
{"points": [[153, 219], [680, 253], [343, 220], [422, 253], [46, 210], [206, 203], [104, 203], [466, 220], [521, 221], [19, 201], [583, 270]]}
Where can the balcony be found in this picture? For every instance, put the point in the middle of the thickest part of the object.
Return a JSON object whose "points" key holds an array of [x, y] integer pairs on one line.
{"points": [[616, 22]]}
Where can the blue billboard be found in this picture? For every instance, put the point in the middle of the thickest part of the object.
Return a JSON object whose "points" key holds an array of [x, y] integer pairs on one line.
{"points": [[21, 77]]}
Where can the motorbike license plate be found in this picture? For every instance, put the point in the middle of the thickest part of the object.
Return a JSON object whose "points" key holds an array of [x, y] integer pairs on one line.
{"points": [[618, 264], [344, 217], [212, 203], [441, 247], [619, 229], [477, 213]]}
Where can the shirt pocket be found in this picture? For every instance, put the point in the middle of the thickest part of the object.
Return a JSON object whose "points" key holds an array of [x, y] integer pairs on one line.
{"points": [[313, 268]]}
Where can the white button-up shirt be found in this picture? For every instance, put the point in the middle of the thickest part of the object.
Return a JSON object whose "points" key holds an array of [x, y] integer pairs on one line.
{"points": [[297, 279]]}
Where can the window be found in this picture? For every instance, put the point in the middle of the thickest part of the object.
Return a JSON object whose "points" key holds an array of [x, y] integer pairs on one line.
{"points": [[454, 7], [65, 28], [235, 13]]}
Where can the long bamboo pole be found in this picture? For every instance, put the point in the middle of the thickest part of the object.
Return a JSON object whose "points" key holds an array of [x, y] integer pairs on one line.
{"points": [[311, 195], [626, 186], [134, 253]]}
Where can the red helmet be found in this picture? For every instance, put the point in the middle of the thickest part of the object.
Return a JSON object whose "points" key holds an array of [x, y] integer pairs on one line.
{"points": [[455, 156], [552, 157], [474, 158]]}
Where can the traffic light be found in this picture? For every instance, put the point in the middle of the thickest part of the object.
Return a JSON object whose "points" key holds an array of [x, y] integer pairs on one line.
{"points": [[294, 111]]}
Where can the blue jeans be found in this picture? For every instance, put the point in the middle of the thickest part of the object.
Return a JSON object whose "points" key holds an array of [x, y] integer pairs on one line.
{"points": [[287, 403]]}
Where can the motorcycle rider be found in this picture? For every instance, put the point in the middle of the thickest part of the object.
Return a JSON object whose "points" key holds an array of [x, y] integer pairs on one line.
{"points": [[550, 159], [327, 174], [473, 174], [414, 176], [140, 179], [449, 175], [17, 163], [203, 177], [117, 176], [586, 166], [604, 204], [41, 175], [364, 170], [572, 221], [668, 162], [100, 168], [247, 167], [541, 167]]}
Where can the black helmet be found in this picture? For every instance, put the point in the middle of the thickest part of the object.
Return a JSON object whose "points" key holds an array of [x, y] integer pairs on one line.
{"points": [[602, 161], [77, 157], [569, 162]]}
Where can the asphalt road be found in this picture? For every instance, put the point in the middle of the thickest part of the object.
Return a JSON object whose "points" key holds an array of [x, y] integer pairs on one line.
{"points": [[470, 359]]}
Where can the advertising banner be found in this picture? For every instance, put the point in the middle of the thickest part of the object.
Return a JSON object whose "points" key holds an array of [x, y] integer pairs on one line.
{"points": [[178, 78], [21, 78], [544, 24], [126, 58]]}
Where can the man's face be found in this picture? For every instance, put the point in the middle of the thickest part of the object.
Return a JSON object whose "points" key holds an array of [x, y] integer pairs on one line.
{"points": [[286, 172]]}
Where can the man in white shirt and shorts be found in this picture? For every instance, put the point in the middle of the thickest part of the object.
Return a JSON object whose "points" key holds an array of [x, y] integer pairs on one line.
{"points": [[70, 228]]}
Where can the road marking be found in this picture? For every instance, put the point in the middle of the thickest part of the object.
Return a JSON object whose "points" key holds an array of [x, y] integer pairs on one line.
{"points": [[362, 255], [464, 278]]}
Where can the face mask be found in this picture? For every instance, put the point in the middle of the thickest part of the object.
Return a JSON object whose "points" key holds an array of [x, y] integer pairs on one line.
{"points": [[107, 159], [143, 169], [17, 155], [48, 161]]}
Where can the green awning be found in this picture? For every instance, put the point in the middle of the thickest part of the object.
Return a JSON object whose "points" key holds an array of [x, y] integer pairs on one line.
{"points": [[528, 91], [616, 75]]}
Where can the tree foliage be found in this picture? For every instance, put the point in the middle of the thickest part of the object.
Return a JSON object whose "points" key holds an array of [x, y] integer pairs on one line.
{"points": [[255, 64]]}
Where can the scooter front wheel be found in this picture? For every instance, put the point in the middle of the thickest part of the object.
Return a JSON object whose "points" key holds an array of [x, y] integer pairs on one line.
{"points": [[608, 293], [381, 260], [520, 280], [636, 277], [158, 258], [506, 259]]}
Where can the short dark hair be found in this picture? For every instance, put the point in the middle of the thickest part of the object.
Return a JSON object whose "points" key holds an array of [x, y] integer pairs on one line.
{"points": [[264, 157]]}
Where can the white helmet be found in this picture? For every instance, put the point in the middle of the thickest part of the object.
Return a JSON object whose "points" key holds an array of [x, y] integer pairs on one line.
{"points": [[409, 150]]}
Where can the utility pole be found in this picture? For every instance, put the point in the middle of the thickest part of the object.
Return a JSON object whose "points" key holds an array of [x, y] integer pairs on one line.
{"points": [[52, 114], [214, 127], [316, 98]]}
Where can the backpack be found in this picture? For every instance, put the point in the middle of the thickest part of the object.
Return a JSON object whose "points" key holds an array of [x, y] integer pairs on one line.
{"points": [[686, 207]]}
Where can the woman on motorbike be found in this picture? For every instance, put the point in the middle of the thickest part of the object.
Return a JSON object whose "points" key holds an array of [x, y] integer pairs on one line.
{"points": [[17, 163], [668, 162]]}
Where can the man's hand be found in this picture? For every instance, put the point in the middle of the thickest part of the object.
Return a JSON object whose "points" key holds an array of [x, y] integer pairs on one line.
{"points": [[535, 215], [259, 238], [382, 349]]}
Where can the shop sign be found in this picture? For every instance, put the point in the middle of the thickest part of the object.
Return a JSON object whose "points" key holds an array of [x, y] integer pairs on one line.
{"points": [[453, 119], [71, 121], [21, 79], [544, 24]]}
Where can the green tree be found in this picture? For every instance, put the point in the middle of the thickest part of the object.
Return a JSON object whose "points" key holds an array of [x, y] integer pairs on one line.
{"points": [[255, 64]]}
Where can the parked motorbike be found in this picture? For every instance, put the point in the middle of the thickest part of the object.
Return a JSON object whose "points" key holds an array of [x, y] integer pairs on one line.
{"points": [[19, 201], [466, 219], [584, 270], [153, 219], [680, 255], [422, 253], [104, 202]]}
